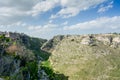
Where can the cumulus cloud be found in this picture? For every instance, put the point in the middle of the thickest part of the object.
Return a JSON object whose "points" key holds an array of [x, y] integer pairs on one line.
{"points": [[43, 28], [50, 21], [104, 8], [17, 10], [43, 6], [45, 31], [12, 11], [65, 23], [18, 26], [71, 8], [17, 14], [103, 22]]}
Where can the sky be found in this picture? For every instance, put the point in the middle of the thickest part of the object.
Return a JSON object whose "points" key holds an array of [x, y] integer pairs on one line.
{"points": [[47, 18]]}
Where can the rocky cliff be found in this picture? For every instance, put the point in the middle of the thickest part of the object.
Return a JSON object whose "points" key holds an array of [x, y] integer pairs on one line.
{"points": [[21, 58], [86, 57], [64, 57]]}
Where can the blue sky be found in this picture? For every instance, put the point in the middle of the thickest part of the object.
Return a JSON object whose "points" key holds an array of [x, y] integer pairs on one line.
{"points": [[47, 18]]}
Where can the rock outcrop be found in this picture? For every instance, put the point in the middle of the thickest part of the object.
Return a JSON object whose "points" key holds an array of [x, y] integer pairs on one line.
{"points": [[20, 56], [51, 44], [64, 57], [87, 57]]}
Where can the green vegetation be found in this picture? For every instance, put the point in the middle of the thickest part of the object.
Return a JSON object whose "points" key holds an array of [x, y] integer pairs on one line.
{"points": [[2, 36], [5, 77], [87, 62], [23, 49], [89, 57], [47, 67], [20, 56], [32, 69]]}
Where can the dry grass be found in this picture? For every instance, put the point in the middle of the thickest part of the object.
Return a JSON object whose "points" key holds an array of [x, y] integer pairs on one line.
{"points": [[84, 62]]}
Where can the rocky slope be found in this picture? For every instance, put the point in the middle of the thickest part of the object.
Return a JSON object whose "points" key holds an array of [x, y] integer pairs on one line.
{"points": [[19, 56], [22, 59], [70, 57], [86, 57]]}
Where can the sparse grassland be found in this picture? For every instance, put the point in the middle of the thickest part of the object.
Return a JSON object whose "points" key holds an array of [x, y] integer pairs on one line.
{"points": [[86, 62]]}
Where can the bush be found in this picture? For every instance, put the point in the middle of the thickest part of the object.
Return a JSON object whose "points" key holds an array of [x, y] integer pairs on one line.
{"points": [[48, 69], [33, 69]]}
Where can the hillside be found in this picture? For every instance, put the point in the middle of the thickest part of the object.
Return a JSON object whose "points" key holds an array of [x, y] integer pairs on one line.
{"points": [[86, 57], [64, 57], [22, 59]]}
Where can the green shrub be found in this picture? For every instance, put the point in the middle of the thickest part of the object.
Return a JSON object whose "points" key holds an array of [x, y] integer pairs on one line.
{"points": [[8, 39], [48, 69], [33, 69]]}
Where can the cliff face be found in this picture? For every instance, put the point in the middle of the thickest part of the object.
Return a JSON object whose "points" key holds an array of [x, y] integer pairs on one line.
{"points": [[73, 57], [51, 44], [20, 56], [112, 40], [86, 57]]}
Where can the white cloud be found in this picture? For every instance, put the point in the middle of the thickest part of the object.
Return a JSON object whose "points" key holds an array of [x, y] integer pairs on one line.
{"points": [[15, 25], [71, 8], [65, 23], [43, 29], [68, 12], [111, 24], [105, 8], [103, 22], [12, 11], [18, 26], [50, 21], [44, 6]]}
